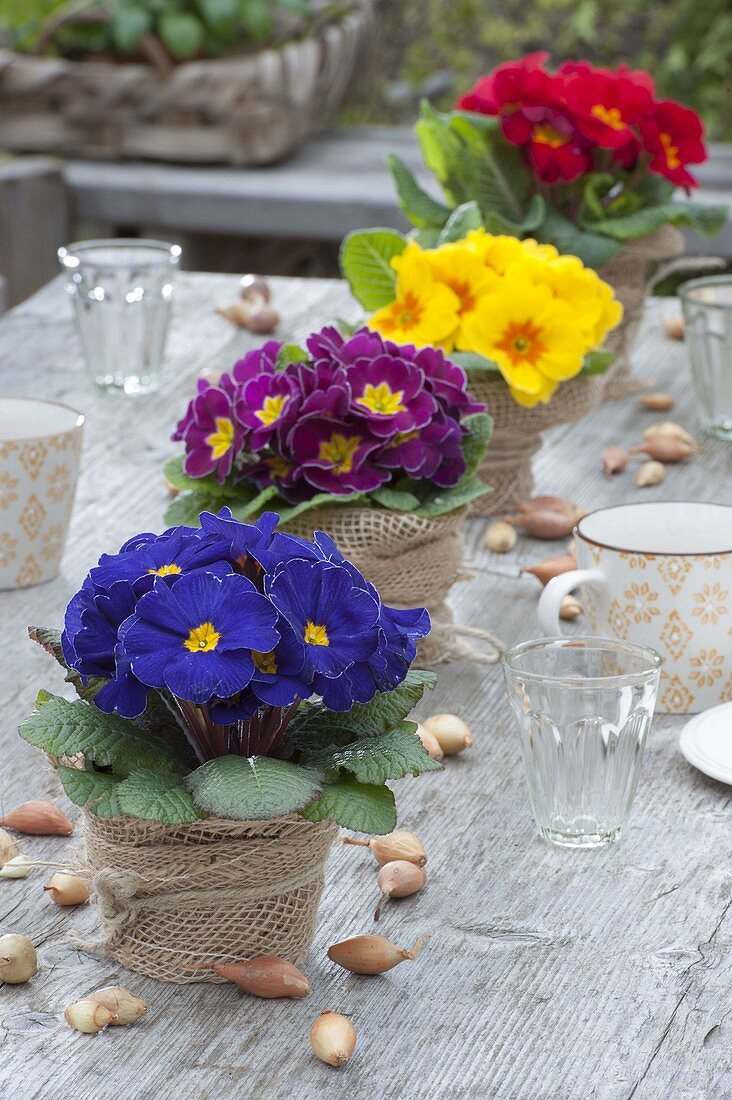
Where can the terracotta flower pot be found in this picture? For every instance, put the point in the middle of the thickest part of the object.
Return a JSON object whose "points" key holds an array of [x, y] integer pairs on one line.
{"points": [[517, 434], [172, 899]]}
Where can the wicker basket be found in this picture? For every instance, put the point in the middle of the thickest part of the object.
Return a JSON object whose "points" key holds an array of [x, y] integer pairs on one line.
{"points": [[249, 109], [517, 434]]}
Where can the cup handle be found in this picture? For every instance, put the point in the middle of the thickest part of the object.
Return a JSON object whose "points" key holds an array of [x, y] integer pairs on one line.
{"points": [[554, 593]]}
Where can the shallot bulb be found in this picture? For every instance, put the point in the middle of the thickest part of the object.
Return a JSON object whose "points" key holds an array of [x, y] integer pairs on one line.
{"points": [[398, 879], [18, 959], [664, 448], [545, 571], [371, 954], [614, 460], [38, 818], [17, 867], [126, 1007], [397, 845], [268, 976], [333, 1038], [429, 741], [8, 847], [452, 734], [88, 1016], [67, 889]]}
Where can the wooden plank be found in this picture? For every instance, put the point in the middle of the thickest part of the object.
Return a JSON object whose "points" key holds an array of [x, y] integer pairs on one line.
{"points": [[336, 183], [550, 975], [34, 222]]}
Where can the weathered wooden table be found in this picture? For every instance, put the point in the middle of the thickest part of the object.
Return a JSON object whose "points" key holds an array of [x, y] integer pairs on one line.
{"points": [[550, 974]]}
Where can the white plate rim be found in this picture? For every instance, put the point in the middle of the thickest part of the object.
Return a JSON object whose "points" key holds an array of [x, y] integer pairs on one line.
{"points": [[696, 756]]}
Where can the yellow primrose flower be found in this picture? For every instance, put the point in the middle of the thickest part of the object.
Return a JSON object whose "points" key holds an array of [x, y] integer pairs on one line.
{"points": [[424, 311], [532, 336], [596, 310], [460, 268]]}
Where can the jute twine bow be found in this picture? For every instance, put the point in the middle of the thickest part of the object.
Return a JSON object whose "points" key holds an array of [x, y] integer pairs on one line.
{"points": [[413, 561], [170, 897]]}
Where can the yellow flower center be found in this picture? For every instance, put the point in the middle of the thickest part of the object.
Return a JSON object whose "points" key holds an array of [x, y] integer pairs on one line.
{"points": [[265, 662], [279, 467], [202, 639], [316, 635], [382, 399], [611, 116], [166, 570], [223, 438], [404, 437], [544, 134], [404, 313], [339, 450], [521, 341], [670, 150], [464, 292], [271, 409]]}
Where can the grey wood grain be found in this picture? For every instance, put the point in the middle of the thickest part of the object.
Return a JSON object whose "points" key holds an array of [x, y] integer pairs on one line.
{"points": [[549, 975], [35, 219], [337, 182]]}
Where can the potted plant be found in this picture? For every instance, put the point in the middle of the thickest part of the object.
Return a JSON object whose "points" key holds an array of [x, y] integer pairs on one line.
{"points": [[526, 322], [242, 693], [583, 158], [374, 442], [233, 81]]}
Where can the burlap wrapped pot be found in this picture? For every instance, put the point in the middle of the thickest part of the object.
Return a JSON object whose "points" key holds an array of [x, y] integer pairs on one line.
{"points": [[517, 434], [173, 899], [632, 274], [413, 561]]}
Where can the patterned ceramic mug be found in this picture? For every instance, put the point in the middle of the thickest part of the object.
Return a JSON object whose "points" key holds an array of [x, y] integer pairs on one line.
{"points": [[659, 574], [40, 447]]}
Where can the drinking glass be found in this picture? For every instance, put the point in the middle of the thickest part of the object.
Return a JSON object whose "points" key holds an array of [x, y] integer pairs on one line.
{"points": [[583, 709], [707, 306], [121, 291]]}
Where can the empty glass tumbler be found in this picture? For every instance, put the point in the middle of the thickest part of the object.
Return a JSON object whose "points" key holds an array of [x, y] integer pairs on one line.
{"points": [[122, 291], [583, 709], [707, 305]]}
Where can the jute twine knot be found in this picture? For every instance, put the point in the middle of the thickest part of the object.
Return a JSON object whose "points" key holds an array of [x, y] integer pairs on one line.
{"points": [[413, 561], [171, 897], [517, 434]]}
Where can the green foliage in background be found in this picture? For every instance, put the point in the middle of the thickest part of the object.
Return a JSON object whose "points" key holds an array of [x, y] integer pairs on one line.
{"points": [[187, 28], [685, 44]]}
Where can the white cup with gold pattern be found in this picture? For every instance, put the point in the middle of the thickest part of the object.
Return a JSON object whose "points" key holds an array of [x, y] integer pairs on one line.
{"points": [[40, 448], [659, 574]]}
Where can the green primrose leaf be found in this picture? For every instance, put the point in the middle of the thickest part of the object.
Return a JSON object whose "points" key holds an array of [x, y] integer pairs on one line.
{"points": [[365, 260], [179, 479], [421, 209], [187, 506], [383, 713], [150, 796], [50, 640], [362, 807], [321, 500], [438, 502], [289, 353], [471, 361], [475, 442], [248, 789], [63, 729], [598, 361], [461, 221], [182, 33], [396, 500], [377, 759], [704, 219], [591, 247]]}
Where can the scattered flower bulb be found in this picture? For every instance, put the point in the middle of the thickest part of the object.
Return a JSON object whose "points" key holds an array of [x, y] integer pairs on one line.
{"points": [[88, 1016], [429, 741], [501, 537], [37, 818], [8, 847], [333, 1038], [126, 1007], [570, 608], [17, 867], [397, 845], [452, 734], [371, 954], [658, 402], [18, 959], [614, 460], [399, 879], [268, 976], [68, 889], [650, 473]]}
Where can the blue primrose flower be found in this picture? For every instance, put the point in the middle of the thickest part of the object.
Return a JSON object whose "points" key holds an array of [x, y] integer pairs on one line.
{"points": [[238, 618], [196, 637], [335, 619]]}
